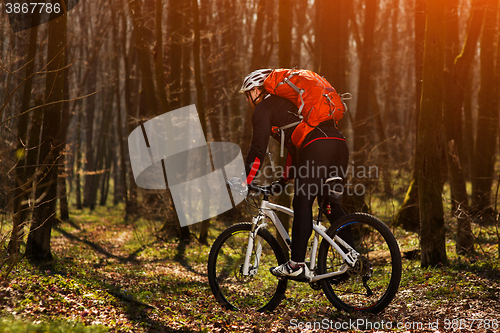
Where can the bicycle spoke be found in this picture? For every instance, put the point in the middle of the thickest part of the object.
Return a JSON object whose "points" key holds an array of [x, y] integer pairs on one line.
{"points": [[258, 290], [373, 281]]}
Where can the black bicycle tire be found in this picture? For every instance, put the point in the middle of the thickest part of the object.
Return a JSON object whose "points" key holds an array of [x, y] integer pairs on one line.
{"points": [[212, 262], [392, 244]]}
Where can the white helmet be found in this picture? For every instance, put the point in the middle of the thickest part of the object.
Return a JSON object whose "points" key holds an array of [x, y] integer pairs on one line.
{"points": [[255, 79]]}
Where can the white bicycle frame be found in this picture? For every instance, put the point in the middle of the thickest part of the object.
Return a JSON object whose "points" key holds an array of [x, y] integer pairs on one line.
{"points": [[267, 210]]}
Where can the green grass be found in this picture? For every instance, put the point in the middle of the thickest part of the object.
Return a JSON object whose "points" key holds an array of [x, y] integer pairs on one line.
{"points": [[16, 326]]}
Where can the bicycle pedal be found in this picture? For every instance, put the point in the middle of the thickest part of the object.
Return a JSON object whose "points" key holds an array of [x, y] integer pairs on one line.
{"points": [[315, 285], [305, 279]]}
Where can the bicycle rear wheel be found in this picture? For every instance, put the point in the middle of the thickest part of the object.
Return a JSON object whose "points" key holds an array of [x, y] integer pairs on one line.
{"points": [[260, 291], [372, 284]]}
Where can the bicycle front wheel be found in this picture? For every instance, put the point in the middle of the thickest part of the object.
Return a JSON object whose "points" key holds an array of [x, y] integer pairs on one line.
{"points": [[257, 291], [372, 284]]}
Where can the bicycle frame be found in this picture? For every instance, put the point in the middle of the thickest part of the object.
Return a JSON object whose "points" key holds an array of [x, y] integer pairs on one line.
{"points": [[267, 209]]}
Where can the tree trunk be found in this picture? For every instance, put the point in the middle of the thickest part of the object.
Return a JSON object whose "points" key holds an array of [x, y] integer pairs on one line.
{"points": [[122, 169], [38, 245], [487, 120], [200, 98], [61, 188], [363, 122], [175, 45], [186, 54], [104, 130], [255, 63], [300, 9], [130, 106], [465, 239], [429, 145], [391, 118], [107, 172], [143, 38], [78, 165], [175, 19], [63, 196], [230, 41], [333, 40], [89, 133], [284, 58], [208, 71], [385, 164], [461, 71], [159, 71], [22, 184], [408, 214], [460, 206]]}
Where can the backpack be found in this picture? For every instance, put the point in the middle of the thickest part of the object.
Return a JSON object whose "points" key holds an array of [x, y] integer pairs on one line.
{"points": [[316, 99]]}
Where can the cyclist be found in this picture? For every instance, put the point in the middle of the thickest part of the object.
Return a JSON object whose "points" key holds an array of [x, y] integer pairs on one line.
{"points": [[323, 154]]}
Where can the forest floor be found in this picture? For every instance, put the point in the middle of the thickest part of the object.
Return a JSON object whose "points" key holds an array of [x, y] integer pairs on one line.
{"points": [[112, 275]]}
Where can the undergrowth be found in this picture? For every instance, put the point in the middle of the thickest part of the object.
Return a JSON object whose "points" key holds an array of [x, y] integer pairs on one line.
{"points": [[115, 275]]}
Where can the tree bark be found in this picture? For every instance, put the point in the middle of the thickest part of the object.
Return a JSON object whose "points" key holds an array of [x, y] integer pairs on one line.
{"points": [[391, 118], [130, 108], [159, 71], [22, 184], [408, 214], [78, 165], [363, 123], [256, 62], [186, 53], [65, 120], [487, 120], [89, 133], [175, 45], [333, 38], [300, 9], [122, 167], [209, 72], [200, 96], [460, 206], [461, 68], [175, 19], [38, 245], [143, 38], [429, 145], [284, 58]]}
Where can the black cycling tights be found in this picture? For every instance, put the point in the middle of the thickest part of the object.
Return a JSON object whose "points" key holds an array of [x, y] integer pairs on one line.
{"points": [[318, 161]]}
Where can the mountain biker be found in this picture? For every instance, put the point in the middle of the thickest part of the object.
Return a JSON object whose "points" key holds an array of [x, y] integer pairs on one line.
{"points": [[323, 154]]}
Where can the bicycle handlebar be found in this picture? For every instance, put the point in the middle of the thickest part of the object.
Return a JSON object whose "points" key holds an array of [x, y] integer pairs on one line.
{"points": [[257, 189], [266, 190]]}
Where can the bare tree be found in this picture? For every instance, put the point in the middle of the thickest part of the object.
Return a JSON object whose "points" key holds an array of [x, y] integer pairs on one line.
{"points": [[38, 244], [23, 178], [361, 127], [430, 141], [487, 122]]}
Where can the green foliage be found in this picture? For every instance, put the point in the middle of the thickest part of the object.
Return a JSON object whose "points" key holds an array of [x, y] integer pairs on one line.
{"points": [[17, 326]]}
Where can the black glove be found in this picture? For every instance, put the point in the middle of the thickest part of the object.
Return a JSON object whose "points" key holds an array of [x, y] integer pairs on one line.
{"points": [[236, 183], [278, 187]]}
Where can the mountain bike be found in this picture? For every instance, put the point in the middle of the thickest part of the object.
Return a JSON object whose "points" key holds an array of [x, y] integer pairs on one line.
{"points": [[358, 263]]}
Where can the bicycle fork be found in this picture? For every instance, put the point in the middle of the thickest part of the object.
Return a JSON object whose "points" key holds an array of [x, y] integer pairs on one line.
{"points": [[252, 235]]}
